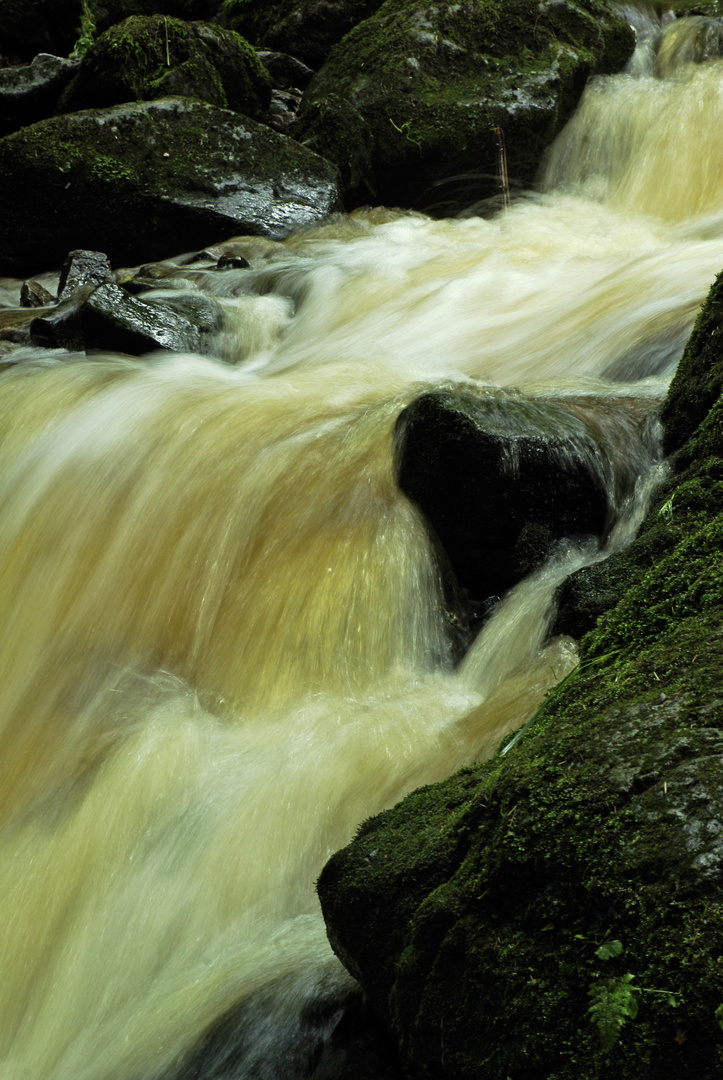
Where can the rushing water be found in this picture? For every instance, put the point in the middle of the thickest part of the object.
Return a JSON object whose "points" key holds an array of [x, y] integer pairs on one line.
{"points": [[223, 638]]}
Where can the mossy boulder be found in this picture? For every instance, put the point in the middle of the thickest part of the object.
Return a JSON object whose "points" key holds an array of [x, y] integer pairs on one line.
{"points": [[29, 27], [141, 180], [414, 103], [306, 29], [155, 56], [475, 912]]}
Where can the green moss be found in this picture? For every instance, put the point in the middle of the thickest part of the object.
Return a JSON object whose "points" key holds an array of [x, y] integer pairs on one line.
{"points": [[147, 57], [107, 169], [432, 85]]}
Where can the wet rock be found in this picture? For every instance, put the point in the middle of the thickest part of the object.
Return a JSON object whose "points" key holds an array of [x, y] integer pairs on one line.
{"points": [[83, 268], [143, 179], [198, 308], [409, 103], [29, 27], [500, 479], [150, 57], [286, 72], [306, 29], [232, 262], [33, 295], [283, 109], [30, 92], [61, 327], [472, 912], [115, 320]]}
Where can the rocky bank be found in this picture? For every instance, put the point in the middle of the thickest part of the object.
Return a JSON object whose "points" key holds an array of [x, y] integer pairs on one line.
{"points": [[480, 914]]}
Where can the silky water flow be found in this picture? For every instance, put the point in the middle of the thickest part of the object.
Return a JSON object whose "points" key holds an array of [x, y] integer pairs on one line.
{"points": [[223, 629]]}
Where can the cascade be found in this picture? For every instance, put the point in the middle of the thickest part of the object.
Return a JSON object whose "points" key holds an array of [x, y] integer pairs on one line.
{"points": [[223, 638]]}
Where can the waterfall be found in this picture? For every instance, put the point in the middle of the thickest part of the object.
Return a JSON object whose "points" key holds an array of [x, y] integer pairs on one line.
{"points": [[223, 637]]}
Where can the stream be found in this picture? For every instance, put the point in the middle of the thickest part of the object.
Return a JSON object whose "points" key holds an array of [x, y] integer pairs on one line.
{"points": [[223, 636]]}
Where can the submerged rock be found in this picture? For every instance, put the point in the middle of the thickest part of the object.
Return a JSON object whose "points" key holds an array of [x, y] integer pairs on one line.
{"points": [[414, 102], [143, 179], [474, 911], [500, 478], [145, 58]]}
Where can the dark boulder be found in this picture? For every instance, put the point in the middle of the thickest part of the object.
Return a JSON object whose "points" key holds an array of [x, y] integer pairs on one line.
{"points": [[285, 72], [414, 102], [30, 92], [306, 29], [143, 179], [500, 478], [475, 912], [109, 12], [60, 326], [29, 27], [149, 57]]}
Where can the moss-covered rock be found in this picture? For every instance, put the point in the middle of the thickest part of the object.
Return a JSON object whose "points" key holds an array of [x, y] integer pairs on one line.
{"points": [[143, 179], [414, 102], [474, 912], [155, 56], [306, 29]]}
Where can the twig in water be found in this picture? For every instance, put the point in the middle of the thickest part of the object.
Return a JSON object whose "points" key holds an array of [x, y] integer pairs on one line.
{"points": [[502, 178]]}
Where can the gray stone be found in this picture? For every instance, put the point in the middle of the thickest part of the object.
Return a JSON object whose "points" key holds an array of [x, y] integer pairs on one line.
{"points": [[30, 92]]}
